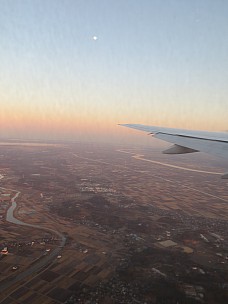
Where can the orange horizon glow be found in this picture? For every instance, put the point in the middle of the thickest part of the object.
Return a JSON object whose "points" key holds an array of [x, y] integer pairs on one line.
{"points": [[92, 124], [25, 121]]}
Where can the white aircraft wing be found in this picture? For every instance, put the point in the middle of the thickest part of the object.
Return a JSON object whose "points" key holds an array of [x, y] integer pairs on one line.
{"points": [[187, 141]]}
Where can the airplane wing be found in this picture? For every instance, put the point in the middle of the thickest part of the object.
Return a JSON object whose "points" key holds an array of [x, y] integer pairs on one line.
{"points": [[188, 141]]}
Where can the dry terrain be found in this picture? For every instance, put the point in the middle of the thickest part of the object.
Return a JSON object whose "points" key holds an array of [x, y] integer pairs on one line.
{"points": [[140, 226]]}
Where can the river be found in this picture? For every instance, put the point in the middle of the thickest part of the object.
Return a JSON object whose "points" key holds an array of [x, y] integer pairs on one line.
{"points": [[44, 261]]}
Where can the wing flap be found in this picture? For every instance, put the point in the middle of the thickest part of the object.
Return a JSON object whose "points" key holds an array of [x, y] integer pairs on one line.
{"points": [[176, 149], [217, 148]]}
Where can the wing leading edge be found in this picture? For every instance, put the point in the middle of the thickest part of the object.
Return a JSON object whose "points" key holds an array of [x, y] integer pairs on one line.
{"points": [[187, 141]]}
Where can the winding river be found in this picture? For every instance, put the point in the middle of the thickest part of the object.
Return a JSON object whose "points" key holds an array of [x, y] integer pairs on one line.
{"points": [[41, 263], [12, 219]]}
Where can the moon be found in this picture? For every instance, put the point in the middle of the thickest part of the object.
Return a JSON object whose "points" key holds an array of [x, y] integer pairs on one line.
{"points": [[95, 38]]}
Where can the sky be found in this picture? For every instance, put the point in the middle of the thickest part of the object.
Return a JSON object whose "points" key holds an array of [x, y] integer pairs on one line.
{"points": [[154, 62]]}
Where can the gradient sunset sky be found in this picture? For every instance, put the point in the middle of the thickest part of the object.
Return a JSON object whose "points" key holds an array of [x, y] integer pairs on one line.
{"points": [[154, 62]]}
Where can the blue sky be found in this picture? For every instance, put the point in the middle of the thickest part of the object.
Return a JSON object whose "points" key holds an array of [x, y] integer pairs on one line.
{"points": [[154, 62]]}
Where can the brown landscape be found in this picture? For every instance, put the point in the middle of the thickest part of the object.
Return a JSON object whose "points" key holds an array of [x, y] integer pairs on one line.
{"points": [[89, 223]]}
